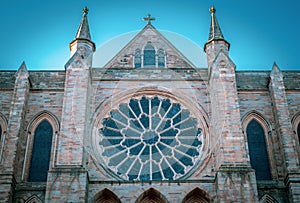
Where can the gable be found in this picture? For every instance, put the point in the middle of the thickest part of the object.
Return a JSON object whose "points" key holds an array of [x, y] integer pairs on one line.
{"points": [[149, 48]]}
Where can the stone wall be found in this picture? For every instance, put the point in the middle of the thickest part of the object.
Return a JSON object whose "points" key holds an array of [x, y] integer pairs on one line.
{"points": [[254, 97]]}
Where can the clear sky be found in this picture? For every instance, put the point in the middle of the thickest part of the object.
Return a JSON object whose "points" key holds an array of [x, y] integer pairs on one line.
{"points": [[259, 31]]}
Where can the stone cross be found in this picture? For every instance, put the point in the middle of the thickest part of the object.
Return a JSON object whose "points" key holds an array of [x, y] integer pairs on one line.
{"points": [[149, 19]]}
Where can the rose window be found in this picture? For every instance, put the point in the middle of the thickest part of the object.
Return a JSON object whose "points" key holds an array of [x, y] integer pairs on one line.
{"points": [[150, 139]]}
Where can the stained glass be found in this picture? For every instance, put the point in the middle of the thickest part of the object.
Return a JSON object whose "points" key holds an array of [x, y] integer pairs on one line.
{"points": [[150, 138], [137, 58], [161, 58], [41, 150], [258, 151], [149, 56]]}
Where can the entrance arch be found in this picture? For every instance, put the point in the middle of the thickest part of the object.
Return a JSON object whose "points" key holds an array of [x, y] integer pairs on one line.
{"points": [[151, 196], [196, 196], [106, 196]]}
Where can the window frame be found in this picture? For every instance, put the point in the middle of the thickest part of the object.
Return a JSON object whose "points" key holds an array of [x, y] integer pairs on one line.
{"points": [[247, 118], [155, 55], [35, 122]]}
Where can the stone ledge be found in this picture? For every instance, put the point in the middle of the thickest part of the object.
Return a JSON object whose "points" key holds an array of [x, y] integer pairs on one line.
{"points": [[68, 169], [270, 184], [235, 168], [178, 182], [31, 186]]}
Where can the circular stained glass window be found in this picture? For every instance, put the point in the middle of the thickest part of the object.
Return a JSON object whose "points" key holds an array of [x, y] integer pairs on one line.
{"points": [[150, 139]]}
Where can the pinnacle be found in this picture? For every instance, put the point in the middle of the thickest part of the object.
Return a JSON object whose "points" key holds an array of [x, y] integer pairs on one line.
{"points": [[215, 30], [22, 71], [84, 30], [215, 33]]}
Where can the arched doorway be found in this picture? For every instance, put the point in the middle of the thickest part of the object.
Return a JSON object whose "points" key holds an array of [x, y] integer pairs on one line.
{"points": [[196, 196], [151, 196], [106, 196]]}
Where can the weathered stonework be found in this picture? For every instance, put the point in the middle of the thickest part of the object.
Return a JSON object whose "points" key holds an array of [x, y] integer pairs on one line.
{"points": [[77, 103]]}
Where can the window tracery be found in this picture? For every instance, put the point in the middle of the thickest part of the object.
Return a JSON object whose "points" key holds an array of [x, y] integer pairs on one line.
{"points": [[150, 139]]}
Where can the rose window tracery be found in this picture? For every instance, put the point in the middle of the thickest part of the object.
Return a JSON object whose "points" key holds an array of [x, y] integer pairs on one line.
{"points": [[150, 139]]}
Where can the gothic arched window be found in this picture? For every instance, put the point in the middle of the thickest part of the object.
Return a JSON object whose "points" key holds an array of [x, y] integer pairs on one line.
{"points": [[298, 132], [41, 151], [137, 58], [161, 58], [258, 150], [149, 55]]}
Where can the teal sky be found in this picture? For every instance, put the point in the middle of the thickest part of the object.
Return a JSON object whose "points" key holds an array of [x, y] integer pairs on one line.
{"points": [[259, 31]]}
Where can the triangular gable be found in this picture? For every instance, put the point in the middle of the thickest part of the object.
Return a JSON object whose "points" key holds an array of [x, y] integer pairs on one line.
{"points": [[173, 58]]}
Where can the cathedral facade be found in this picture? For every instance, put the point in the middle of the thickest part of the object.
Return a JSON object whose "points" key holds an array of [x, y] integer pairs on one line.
{"points": [[149, 126]]}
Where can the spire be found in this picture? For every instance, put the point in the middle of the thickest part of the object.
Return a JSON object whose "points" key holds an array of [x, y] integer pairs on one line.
{"points": [[84, 30], [215, 33], [215, 30]]}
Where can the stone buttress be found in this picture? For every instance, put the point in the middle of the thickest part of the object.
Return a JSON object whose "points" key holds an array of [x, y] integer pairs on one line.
{"points": [[13, 135], [68, 180], [285, 132], [235, 180]]}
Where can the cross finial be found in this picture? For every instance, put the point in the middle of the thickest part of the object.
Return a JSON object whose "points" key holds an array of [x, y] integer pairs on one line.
{"points": [[212, 10], [149, 19], [85, 10]]}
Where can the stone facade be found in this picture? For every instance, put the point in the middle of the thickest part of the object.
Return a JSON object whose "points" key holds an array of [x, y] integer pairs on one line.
{"points": [[201, 151]]}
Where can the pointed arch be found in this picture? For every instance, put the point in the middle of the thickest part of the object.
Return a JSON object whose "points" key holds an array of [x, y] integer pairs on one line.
{"points": [[161, 61], [149, 55], [266, 198], [106, 196], [257, 129], [296, 126], [137, 58], [196, 195], [151, 196], [50, 117], [259, 118], [33, 199], [3, 125], [42, 135]]}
